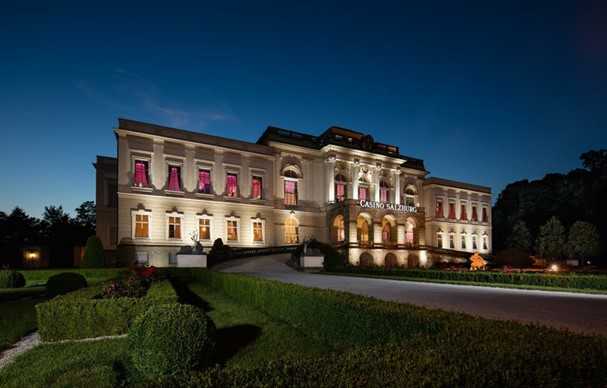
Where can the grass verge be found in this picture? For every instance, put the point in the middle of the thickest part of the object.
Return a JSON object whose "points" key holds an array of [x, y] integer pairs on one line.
{"points": [[17, 318]]}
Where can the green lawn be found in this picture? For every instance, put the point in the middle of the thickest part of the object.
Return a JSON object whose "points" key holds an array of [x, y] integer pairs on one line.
{"points": [[17, 318]]}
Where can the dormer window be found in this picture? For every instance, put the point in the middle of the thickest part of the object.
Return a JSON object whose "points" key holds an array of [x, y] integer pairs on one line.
{"points": [[204, 181], [256, 187], [141, 175], [174, 182], [231, 185]]}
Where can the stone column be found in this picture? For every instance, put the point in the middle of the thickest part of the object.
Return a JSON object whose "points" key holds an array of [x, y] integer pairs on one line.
{"points": [[376, 179], [330, 178], [397, 189], [354, 178], [219, 183], [159, 167], [124, 168], [245, 178], [190, 172]]}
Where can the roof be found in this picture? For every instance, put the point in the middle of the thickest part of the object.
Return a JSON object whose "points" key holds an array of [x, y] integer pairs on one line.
{"points": [[459, 185], [338, 136], [196, 137]]}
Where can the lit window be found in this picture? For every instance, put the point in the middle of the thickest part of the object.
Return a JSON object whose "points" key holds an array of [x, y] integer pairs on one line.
{"points": [[485, 242], [256, 187], [340, 232], [409, 234], [463, 215], [204, 229], [362, 230], [451, 241], [257, 231], [204, 181], [175, 227], [174, 183], [474, 244], [474, 214], [386, 233], [291, 231], [384, 191], [439, 209], [485, 215], [231, 185], [232, 230], [410, 197], [340, 188], [463, 241], [439, 239], [363, 193], [141, 175], [142, 226], [451, 210], [290, 192]]}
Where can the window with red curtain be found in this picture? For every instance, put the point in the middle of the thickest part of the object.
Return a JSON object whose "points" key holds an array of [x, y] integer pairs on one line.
{"points": [[363, 193], [452, 210], [290, 192], [174, 178], [463, 215], [439, 209], [204, 181], [232, 185], [384, 191], [340, 188], [256, 187], [474, 214], [485, 215], [140, 178]]}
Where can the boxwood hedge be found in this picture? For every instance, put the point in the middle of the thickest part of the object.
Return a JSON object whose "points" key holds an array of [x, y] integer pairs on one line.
{"points": [[81, 315], [571, 281]]}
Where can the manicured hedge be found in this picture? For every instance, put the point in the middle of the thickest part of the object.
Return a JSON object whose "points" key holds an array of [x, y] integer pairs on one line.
{"points": [[392, 344], [96, 275], [80, 315], [11, 279], [572, 281]]}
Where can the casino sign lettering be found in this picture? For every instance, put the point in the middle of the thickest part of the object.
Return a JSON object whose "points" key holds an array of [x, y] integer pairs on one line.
{"points": [[387, 206]]}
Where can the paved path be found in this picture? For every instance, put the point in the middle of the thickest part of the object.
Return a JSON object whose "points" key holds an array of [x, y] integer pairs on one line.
{"points": [[583, 313]]}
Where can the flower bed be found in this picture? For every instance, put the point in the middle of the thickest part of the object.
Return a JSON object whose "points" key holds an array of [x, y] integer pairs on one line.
{"points": [[84, 314]]}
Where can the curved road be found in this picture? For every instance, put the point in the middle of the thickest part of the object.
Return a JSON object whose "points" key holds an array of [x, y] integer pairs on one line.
{"points": [[582, 313]]}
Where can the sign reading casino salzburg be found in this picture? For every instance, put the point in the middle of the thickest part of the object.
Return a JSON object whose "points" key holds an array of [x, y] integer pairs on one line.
{"points": [[387, 206]]}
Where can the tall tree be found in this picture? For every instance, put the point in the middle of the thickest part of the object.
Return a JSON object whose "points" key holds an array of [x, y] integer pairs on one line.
{"points": [[520, 237], [551, 239], [583, 241]]}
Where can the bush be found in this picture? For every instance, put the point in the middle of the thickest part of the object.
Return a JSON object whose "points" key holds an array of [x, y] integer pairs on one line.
{"points": [[11, 279], [333, 259], [169, 340], [82, 314], [64, 282], [513, 257], [92, 275], [219, 252], [94, 255]]}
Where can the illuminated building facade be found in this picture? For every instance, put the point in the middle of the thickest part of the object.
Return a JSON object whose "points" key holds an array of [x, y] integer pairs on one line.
{"points": [[168, 186]]}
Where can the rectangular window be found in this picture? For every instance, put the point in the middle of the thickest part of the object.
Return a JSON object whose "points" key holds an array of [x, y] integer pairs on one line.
{"points": [[141, 175], [142, 226], [290, 193], [439, 240], [256, 187], [485, 245], [463, 241], [232, 230], [439, 209], [451, 210], [384, 194], [174, 182], [485, 215], [175, 227], [474, 246], [451, 241], [257, 231], [204, 181], [409, 200], [204, 229], [474, 214], [363, 193], [340, 191], [231, 185], [462, 213]]}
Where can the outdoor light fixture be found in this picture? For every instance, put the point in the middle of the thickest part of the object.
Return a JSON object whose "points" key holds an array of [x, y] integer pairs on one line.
{"points": [[554, 268]]}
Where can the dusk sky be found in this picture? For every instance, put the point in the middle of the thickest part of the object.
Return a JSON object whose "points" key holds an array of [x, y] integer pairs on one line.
{"points": [[484, 93]]}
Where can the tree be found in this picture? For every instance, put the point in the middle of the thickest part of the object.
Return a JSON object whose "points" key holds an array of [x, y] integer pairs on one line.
{"points": [[551, 239], [94, 256], [86, 215], [583, 241], [595, 161], [520, 238]]}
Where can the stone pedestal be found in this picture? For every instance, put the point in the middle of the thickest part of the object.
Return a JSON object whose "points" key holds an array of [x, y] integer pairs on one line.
{"points": [[191, 261]]}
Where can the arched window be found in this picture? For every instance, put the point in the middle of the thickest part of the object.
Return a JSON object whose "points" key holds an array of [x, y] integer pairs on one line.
{"points": [[410, 232], [384, 191], [340, 231], [390, 261], [340, 188], [362, 230], [291, 231], [463, 242], [410, 197], [388, 235], [291, 175], [365, 260]]}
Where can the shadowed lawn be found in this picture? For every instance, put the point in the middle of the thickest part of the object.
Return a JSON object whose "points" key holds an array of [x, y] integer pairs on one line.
{"points": [[17, 318]]}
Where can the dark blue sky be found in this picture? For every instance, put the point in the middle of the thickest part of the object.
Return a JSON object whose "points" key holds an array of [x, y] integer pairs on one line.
{"points": [[484, 93]]}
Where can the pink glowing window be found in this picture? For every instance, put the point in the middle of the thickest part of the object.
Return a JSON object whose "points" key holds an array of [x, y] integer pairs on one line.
{"points": [[256, 187], [204, 181], [363, 193], [290, 193], [384, 191], [174, 178], [439, 209], [340, 188], [232, 185], [140, 178]]}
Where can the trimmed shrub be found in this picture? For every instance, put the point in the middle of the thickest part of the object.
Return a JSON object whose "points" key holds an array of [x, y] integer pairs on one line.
{"points": [[172, 339], [82, 314], [11, 279], [219, 252], [64, 282], [514, 257], [94, 255], [92, 275]]}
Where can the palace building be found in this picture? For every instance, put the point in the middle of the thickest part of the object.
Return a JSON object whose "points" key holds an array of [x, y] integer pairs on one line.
{"points": [[378, 206]]}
